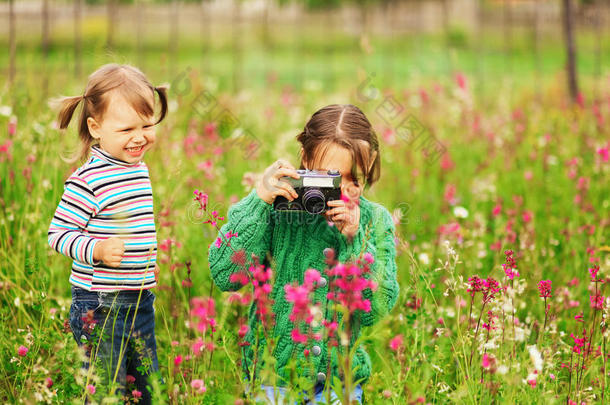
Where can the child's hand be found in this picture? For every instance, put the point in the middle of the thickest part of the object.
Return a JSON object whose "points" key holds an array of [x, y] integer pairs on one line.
{"points": [[345, 213], [270, 186], [109, 251]]}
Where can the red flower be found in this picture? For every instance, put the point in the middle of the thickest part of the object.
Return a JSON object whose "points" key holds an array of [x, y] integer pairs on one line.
{"points": [[544, 286]]}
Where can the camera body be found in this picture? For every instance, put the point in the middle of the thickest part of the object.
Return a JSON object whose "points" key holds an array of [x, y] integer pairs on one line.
{"points": [[314, 187]]}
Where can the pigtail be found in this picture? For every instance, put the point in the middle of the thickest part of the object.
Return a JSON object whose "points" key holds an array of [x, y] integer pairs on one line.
{"points": [[162, 92], [67, 107]]}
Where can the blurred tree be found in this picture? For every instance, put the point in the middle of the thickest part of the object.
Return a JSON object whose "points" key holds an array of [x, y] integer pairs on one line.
{"points": [[45, 47], [78, 40], [111, 20], [568, 30], [174, 35], [12, 45]]}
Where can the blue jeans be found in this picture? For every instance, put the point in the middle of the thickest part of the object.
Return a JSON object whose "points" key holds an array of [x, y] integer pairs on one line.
{"points": [[120, 345], [319, 396]]}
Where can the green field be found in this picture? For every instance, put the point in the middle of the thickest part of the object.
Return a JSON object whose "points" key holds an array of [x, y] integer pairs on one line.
{"points": [[524, 169]]}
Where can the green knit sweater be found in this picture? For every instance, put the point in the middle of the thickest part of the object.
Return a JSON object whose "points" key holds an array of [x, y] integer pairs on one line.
{"points": [[296, 242]]}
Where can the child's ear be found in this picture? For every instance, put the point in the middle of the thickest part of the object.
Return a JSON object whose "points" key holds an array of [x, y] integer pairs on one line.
{"points": [[94, 128]]}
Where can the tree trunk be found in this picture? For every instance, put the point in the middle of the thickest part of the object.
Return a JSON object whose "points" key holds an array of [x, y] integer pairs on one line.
{"points": [[480, 16], [568, 23], [45, 29], [445, 22], [206, 37], [507, 22], [140, 18], [45, 48], [78, 36], [237, 51], [266, 36], [173, 37], [12, 43], [110, 23], [599, 15], [536, 45]]}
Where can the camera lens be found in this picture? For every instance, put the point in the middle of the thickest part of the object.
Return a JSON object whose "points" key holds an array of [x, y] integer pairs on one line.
{"points": [[313, 201]]}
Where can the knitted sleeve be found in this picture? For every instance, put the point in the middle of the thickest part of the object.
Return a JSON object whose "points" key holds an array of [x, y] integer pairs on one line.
{"points": [[381, 245], [250, 219], [78, 204]]}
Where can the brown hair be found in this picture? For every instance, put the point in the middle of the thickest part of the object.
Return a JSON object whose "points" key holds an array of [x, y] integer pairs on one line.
{"points": [[344, 125], [129, 81]]}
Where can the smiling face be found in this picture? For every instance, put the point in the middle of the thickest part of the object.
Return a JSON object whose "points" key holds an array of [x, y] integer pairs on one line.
{"points": [[123, 133]]}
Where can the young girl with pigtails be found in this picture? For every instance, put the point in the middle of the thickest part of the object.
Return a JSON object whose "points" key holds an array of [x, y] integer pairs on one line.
{"points": [[105, 223]]}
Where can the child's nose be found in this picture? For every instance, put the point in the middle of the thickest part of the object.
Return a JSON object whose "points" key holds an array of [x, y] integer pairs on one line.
{"points": [[138, 137]]}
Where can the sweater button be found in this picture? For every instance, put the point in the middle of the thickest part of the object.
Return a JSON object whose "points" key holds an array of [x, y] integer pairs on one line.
{"points": [[321, 377], [316, 350], [322, 282]]}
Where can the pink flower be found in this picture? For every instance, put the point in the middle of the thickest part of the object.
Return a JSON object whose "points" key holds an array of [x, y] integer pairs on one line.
{"points": [[460, 79], [397, 342], [298, 337], [597, 301], [130, 379], [312, 276], [491, 288], [579, 343], [604, 153], [136, 394], [177, 360], [203, 312], [475, 285], [22, 351], [198, 386], [91, 389], [486, 362], [230, 235], [48, 382], [12, 125], [368, 257], [527, 216], [260, 278], [240, 277], [496, 210], [593, 273], [218, 242], [243, 329], [544, 286], [202, 199], [348, 284]]}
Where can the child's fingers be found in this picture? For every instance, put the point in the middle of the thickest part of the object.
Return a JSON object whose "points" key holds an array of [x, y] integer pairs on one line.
{"points": [[336, 203], [283, 163], [284, 193], [341, 217], [285, 172], [284, 186]]}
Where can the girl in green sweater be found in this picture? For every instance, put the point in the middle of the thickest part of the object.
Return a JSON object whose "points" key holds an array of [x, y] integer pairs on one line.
{"points": [[337, 137]]}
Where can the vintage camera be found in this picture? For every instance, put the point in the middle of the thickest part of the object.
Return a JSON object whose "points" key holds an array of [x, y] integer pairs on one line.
{"points": [[314, 187]]}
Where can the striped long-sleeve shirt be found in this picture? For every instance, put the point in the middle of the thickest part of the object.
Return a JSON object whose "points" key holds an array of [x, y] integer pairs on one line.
{"points": [[104, 198]]}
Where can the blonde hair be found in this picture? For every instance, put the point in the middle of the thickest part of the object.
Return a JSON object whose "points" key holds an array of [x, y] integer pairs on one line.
{"points": [[129, 81]]}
